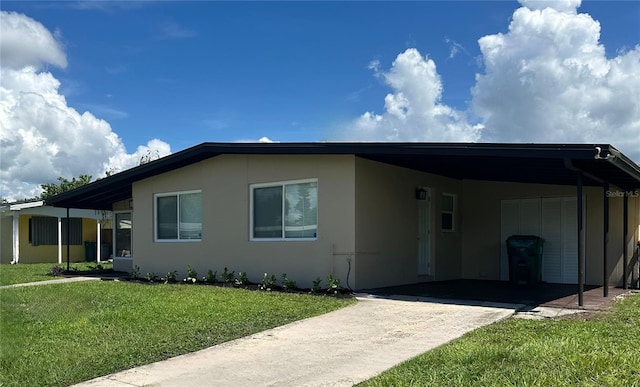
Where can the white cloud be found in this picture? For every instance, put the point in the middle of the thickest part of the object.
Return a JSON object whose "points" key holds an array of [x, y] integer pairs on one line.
{"points": [[548, 80], [263, 139], [41, 136], [414, 111], [25, 42]]}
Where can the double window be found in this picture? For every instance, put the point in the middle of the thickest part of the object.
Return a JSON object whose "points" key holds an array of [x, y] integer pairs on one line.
{"points": [[178, 216], [285, 210], [448, 212]]}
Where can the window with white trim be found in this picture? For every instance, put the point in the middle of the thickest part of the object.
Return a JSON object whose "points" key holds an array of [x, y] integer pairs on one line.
{"points": [[178, 216], [285, 210], [448, 212]]}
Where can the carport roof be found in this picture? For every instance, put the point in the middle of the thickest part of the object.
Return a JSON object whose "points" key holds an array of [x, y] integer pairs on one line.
{"points": [[526, 163]]}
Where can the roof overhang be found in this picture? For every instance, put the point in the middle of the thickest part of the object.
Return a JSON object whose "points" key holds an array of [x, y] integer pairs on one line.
{"points": [[526, 163]]}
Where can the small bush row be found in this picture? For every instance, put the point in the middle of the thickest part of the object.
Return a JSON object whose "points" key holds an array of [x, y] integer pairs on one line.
{"points": [[229, 278]]}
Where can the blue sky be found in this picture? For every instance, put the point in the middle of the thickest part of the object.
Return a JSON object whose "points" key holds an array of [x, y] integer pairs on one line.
{"points": [[189, 72]]}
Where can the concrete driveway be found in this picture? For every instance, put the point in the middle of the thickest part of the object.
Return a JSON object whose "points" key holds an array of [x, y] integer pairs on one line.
{"points": [[340, 348]]}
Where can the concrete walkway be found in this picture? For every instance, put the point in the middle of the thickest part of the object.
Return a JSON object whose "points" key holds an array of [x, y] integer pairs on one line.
{"points": [[340, 348], [52, 282]]}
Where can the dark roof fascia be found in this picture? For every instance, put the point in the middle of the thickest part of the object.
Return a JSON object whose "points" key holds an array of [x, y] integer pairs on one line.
{"points": [[626, 165], [123, 180]]}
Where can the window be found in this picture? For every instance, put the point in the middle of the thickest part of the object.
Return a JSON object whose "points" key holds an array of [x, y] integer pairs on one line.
{"points": [[179, 216], [448, 212], [43, 230], [286, 210]]}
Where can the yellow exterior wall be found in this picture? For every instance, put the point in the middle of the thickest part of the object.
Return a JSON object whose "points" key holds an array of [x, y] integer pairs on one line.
{"points": [[6, 243], [49, 253], [481, 242], [225, 184], [387, 226]]}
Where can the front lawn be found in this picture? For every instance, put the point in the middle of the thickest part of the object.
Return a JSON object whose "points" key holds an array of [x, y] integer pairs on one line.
{"points": [[599, 351], [35, 272], [66, 333]]}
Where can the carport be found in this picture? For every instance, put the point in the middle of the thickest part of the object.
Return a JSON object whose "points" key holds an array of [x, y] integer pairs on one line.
{"points": [[570, 165]]}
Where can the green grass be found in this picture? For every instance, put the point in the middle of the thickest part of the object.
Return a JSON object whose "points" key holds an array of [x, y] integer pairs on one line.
{"points": [[602, 351], [35, 272], [66, 333]]}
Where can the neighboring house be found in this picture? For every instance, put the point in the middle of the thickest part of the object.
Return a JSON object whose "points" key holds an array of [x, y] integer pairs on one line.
{"points": [[375, 214], [35, 233]]}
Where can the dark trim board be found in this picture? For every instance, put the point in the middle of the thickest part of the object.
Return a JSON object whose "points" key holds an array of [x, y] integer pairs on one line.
{"points": [[526, 163]]}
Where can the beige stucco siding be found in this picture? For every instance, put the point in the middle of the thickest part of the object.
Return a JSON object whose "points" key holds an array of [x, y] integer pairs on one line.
{"points": [[387, 226], [481, 242], [225, 185]]}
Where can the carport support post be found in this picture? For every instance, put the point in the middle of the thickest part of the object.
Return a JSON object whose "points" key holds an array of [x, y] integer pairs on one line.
{"points": [[580, 242], [68, 240], [625, 236], [605, 259]]}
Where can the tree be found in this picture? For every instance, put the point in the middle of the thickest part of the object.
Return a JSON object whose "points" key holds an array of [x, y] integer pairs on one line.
{"points": [[149, 156], [52, 189]]}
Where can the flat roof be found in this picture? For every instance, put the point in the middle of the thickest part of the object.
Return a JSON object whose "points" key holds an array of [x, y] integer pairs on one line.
{"points": [[510, 162]]}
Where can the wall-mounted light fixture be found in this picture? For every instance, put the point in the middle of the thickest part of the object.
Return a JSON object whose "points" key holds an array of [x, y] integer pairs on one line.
{"points": [[421, 193]]}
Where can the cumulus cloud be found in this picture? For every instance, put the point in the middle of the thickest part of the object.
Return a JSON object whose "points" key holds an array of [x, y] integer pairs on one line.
{"points": [[25, 42], [40, 135], [548, 80], [414, 111]]}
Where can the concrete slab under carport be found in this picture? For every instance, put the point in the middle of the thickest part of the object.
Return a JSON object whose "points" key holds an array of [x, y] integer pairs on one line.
{"points": [[340, 348], [559, 296]]}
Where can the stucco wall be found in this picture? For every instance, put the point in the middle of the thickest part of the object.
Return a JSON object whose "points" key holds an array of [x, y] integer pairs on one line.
{"points": [[481, 241], [6, 243], [387, 226], [49, 253], [224, 182]]}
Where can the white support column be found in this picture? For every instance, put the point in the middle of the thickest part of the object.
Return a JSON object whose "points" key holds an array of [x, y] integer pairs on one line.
{"points": [[16, 237], [98, 228], [59, 240]]}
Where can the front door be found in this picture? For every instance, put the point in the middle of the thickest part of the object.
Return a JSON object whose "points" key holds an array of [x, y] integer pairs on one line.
{"points": [[424, 235]]}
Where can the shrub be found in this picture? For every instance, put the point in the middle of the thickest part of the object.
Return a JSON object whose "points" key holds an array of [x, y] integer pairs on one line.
{"points": [[152, 277], [171, 277], [287, 283], [268, 282], [228, 276], [56, 271], [242, 279], [211, 277], [315, 287], [333, 284], [192, 275], [135, 272]]}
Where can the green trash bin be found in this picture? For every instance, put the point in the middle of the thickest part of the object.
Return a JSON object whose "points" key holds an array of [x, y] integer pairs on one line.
{"points": [[90, 251], [525, 259]]}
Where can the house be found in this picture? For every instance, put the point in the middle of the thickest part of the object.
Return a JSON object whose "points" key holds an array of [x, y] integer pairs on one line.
{"points": [[375, 214], [35, 233]]}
